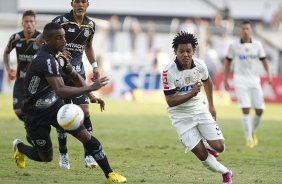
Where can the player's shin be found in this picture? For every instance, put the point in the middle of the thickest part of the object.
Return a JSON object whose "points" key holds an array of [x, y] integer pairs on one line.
{"points": [[256, 122], [212, 164], [95, 148], [62, 139], [88, 125], [30, 152], [247, 127]]}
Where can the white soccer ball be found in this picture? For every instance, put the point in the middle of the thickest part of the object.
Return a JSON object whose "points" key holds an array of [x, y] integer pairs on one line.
{"points": [[70, 116]]}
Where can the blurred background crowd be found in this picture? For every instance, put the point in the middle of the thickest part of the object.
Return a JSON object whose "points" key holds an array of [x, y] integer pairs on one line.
{"points": [[133, 38]]}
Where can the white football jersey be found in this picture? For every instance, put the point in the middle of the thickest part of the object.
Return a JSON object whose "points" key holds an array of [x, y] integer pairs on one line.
{"points": [[179, 82], [246, 59]]}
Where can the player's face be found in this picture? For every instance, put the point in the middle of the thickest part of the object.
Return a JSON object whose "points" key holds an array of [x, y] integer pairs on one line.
{"points": [[57, 42], [246, 31], [29, 24], [184, 54], [79, 6]]}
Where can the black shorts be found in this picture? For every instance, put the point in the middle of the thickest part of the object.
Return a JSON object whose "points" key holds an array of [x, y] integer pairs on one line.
{"points": [[18, 93], [82, 99], [38, 126]]}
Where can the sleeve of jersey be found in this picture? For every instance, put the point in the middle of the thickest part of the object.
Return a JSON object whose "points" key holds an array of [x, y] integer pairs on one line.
{"points": [[261, 53], [11, 45], [205, 73], [58, 20], [168, 83], [93, 27], [51, 68], [230, 53]]}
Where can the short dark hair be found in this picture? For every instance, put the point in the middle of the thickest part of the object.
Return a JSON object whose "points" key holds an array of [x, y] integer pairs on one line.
{"points": [[244, 22], [29, 13], [184, 37], [49, 28]]}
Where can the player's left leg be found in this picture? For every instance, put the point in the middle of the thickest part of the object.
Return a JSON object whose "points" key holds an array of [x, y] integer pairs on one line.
{"points": [[214, 137], [82, 101], [63, 150], [259, 105]]}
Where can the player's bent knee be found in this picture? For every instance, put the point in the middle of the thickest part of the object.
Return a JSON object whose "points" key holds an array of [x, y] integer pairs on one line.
{"points": [[220, 148], [46, 158]]}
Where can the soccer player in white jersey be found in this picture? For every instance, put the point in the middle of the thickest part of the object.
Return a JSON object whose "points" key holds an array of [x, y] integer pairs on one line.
{"points": [[188, 110], [246, 54]]}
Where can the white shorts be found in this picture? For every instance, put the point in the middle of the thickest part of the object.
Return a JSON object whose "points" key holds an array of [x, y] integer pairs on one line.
{"points": [[250, 97], [203, 129]]}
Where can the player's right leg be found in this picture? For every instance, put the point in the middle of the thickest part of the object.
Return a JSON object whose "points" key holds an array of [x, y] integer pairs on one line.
{"points": [[63, 150], [192, 140], [94, 147], [89, 160]]}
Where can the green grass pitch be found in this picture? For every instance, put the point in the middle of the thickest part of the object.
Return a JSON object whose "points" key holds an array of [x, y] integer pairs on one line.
{"points": [[141, 144]]}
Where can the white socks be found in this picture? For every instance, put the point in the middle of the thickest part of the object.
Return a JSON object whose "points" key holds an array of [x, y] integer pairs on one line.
{"points": [[212, 164], [256, 122], [247, 126]]}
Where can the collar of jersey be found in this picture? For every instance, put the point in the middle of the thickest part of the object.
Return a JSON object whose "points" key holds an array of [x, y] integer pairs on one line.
{"points": [[179, 67], [46, 48], [242, 42], [71, 18]]}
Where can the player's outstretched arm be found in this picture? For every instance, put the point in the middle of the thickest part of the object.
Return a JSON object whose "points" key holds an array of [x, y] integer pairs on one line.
{"points": [[64, 91]]}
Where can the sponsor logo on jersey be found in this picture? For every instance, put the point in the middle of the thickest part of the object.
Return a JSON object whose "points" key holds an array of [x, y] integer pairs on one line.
{"points": [[246, 57], [25, 57], [186, 88], [19, 45], [71, 30], [165, 82]]}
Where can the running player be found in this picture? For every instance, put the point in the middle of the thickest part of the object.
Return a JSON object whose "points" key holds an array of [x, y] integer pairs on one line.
{"points": [[246, 53], [79, 31], [44, 90], [188, 111], [25, 43]]}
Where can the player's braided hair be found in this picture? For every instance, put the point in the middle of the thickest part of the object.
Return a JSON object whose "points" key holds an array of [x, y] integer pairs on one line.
{"points": [[184, 37]]}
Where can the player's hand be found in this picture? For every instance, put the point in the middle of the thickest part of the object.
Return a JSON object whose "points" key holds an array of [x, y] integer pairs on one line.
{"points": [[213, 112], [196, 88], [96, 74], [99, 83], [67, 54], [269, 79], [12, 74], [226, 85], [101, 103]]}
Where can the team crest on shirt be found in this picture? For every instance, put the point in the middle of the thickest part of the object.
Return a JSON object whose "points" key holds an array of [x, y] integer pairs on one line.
{"points": [[187, 80], [86, 32]]}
